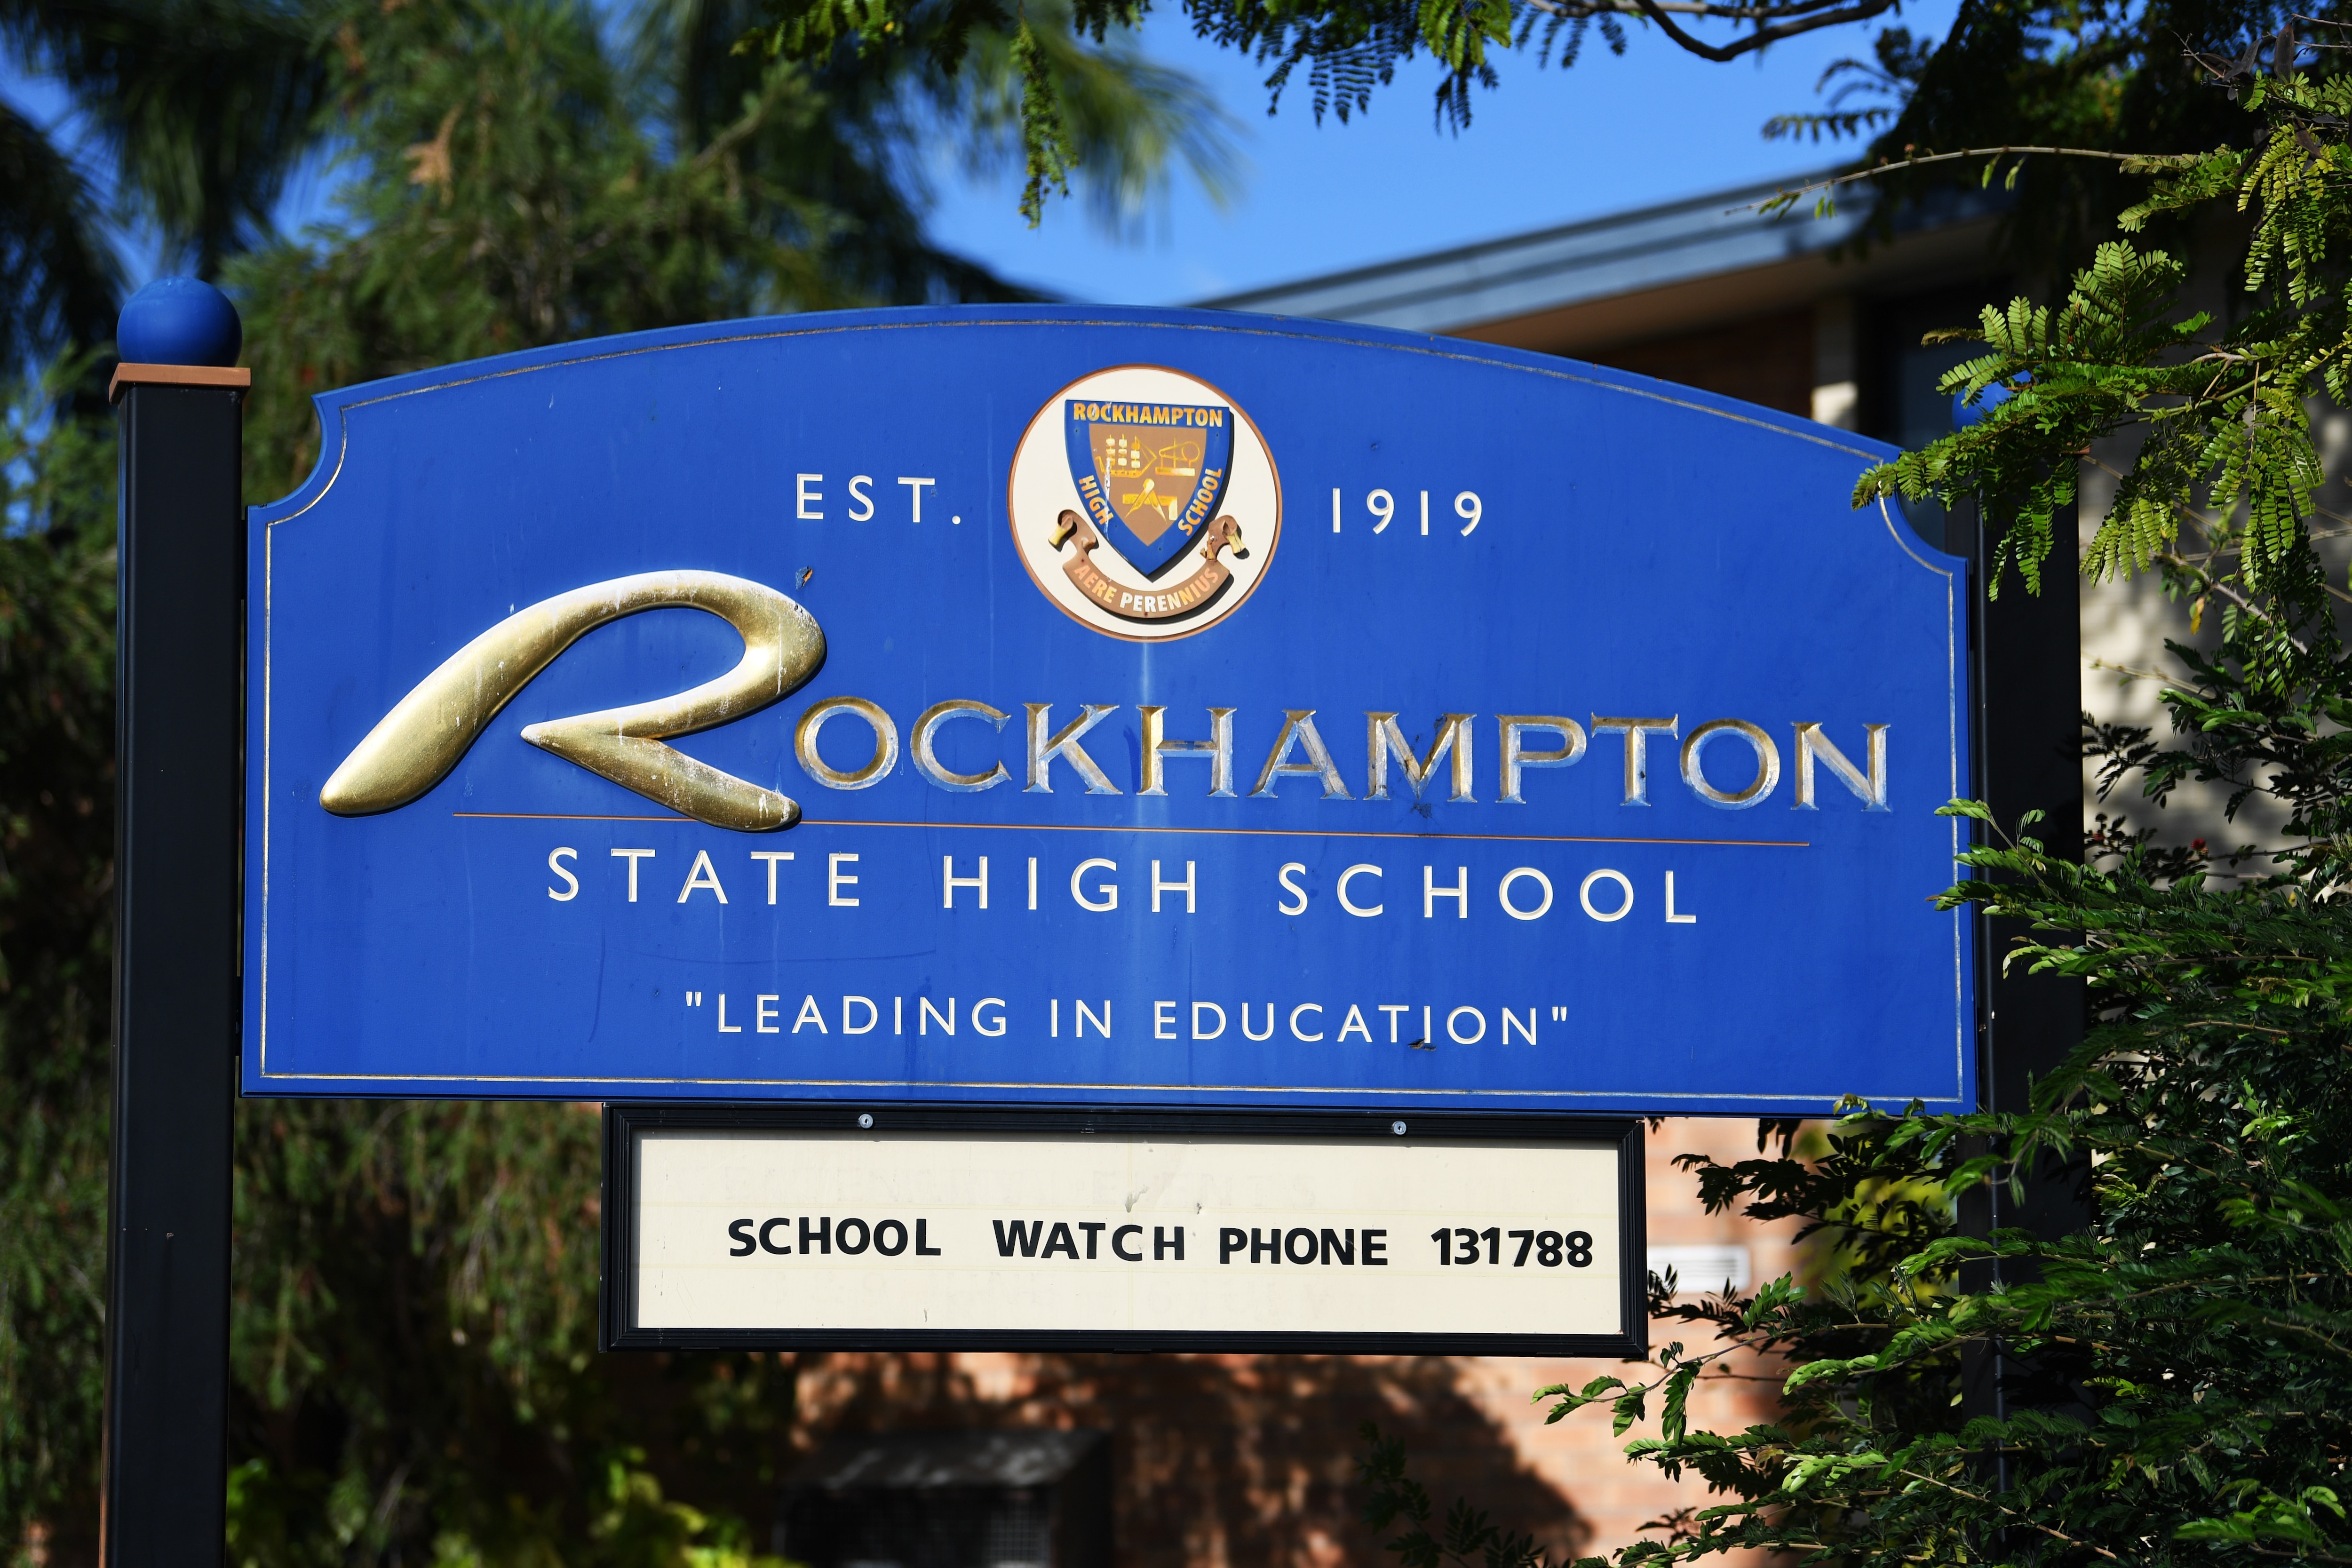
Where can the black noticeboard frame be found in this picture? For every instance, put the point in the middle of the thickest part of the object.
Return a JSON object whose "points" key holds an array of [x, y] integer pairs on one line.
{"points": [[616, 1304]]}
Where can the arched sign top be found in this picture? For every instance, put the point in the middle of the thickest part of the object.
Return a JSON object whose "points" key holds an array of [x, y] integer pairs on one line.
{"points": [[1093, 705]]}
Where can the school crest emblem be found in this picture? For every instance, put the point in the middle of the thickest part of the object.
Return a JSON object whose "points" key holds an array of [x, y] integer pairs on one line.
{"points": [[1144, 502]]}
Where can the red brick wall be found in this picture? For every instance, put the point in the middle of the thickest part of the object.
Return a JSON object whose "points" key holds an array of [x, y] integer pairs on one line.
{"points": [[1249, 1460]]}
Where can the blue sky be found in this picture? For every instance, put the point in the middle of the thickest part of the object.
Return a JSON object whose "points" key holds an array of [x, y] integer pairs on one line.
{"points": [[1549, 146]]}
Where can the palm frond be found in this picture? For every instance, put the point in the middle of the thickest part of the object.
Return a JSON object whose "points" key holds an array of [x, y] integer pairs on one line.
{"points": [[203, 106], [59, 279]]}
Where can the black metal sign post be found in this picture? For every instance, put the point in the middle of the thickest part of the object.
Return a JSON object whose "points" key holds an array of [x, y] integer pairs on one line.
{"points": [[178, 719], [2027, 653]]}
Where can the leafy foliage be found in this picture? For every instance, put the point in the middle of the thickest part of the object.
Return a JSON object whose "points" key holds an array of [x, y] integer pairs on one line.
{"points": [[1465, 1536], [58, 280], [1061, 76], [2222, 416], [1348, 50], [2180, 1369], [2204, 1313], [203, 106], [1879, 84], [2093, 75], [198, 109], [2096, 75], [56, 848], [2207, 1314], [414, 1284], [413, 1343]]}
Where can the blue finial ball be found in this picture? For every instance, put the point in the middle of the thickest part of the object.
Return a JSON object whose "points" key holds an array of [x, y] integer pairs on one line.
{"points": [[179, 321], [1964, 414]]}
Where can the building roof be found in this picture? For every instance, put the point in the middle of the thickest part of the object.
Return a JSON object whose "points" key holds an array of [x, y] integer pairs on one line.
{"points": [[1552, 271]]}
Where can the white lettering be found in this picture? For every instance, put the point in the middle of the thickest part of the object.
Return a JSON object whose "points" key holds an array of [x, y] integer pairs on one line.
{"points": [[1109, 890], [1290, 869], [835, 880], [950, 881], [1584, 895], [771, 856], [702, 874], [1540, 881], [1673, 919], [1184, 887], [633, 856], [915, 489], [571, 882], [1431, 892]]}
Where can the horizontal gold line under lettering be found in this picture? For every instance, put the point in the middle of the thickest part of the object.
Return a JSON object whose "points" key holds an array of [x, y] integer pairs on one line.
{"points": [[1215, 832], [565, 816]]}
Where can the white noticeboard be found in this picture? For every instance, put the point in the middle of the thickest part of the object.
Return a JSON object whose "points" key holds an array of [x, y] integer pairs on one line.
{"points": [[1155, 1230]]}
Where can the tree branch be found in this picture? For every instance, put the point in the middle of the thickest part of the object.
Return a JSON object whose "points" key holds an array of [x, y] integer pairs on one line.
{"points": [[1715, 10], [1765, 33], [1783, 198]]}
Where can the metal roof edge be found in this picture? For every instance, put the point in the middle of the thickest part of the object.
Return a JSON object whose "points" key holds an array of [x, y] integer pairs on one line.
{"points": [[1463, 272]]}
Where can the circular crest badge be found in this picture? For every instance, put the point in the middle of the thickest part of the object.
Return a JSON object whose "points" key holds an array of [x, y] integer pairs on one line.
{"points": [[1144, 502]]}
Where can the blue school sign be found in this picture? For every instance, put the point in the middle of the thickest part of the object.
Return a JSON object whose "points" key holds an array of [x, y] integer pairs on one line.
{"points": [[1052, 705]]}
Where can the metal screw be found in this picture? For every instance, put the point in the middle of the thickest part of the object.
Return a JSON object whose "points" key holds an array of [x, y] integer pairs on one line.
{"points": [[865, 1118], [1397, 1128]]}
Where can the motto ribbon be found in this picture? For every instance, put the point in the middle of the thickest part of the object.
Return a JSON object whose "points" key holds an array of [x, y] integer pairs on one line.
{"points": [[1146, 604]]}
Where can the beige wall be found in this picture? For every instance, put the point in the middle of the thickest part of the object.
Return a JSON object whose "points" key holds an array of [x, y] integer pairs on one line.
{"points": [[2126, 664]]}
